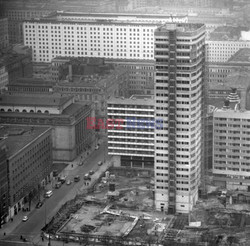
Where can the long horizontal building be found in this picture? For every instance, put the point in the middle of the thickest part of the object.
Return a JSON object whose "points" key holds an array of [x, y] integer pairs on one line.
{"points": [[121, 36]]}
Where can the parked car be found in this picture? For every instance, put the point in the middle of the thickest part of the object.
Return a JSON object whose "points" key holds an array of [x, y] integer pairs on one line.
{"points": [[62, 179], [99, 163], [25, 218], [97, 147], [91, 172], [87, 177], [39, 204], [58, 185], [68, 182], [55, 173], [77, 178]]}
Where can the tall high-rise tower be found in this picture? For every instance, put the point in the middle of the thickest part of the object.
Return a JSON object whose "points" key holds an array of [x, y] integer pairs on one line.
{"points": [[179, 90]]}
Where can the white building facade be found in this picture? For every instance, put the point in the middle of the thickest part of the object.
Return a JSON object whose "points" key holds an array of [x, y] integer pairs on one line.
{"points": [[131, 138], [179, 85], [93, 35], [221, 51], [231, 153]]}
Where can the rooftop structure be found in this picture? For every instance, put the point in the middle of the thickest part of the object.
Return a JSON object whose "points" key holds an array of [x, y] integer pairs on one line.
{"points": [[95, 35]]}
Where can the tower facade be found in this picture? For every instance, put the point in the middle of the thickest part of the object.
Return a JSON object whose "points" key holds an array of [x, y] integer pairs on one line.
{"points": [[179, 87]]}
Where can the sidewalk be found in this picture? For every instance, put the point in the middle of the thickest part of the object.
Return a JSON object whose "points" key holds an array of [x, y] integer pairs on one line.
{"points": [[17, 219], [71, 168]]}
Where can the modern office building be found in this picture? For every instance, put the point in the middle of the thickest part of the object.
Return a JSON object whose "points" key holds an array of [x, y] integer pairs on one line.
{"points": [[70, 136], [131, 131], [29, 160], [231, 153], [3, 182], [231, 124], [179, 92], [122, 36]]}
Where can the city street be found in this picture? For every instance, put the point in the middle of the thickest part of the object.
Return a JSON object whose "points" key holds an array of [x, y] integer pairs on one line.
{"points": [[31, 229]]}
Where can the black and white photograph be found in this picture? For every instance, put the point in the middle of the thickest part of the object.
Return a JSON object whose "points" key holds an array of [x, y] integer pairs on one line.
{"points": [[125, 122]]}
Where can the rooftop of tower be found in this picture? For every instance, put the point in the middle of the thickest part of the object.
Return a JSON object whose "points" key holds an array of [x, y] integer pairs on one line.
{"points": [[181, 27]]}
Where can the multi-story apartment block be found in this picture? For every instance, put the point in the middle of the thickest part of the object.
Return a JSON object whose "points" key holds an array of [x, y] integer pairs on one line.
{"points": [[3, 182], [131, 131], [179, 88], [70, 136], [231, 153], [4, 35], [93, 35], [29, 157], [225, 42]]}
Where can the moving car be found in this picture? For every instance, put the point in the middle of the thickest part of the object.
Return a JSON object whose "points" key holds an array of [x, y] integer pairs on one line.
{"points": [[97, 147], [99, 163], [48, 193], [25, 218], [68, 182]]}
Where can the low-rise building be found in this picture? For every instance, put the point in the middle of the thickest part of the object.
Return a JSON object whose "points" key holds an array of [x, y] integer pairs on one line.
{"points": [[131, 131], [68, 119], [29, 160]]}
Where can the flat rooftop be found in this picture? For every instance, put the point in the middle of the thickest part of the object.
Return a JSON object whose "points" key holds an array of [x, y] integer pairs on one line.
{"points": [[101, 18], [226, 33], [134, 100], [54, 100], [31, 82], [181, 27], [18, 136], [231, 113]]}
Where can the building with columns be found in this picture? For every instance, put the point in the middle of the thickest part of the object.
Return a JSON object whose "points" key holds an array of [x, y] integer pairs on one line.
{"points": [[70, 136]]}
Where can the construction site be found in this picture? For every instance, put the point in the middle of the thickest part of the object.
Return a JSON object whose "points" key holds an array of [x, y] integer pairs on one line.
{"points": [[118, 209]]}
